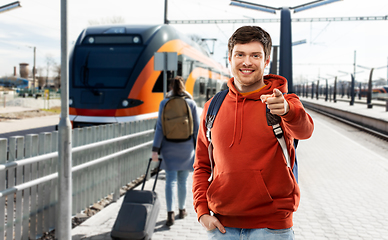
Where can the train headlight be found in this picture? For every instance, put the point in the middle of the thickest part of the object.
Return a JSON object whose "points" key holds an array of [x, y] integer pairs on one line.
{"points": [[91, 40], [70, 101], [136, 39], [125, 103]]}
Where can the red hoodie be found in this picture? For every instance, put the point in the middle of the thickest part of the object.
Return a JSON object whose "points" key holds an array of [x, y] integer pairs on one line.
{"points": [[252, 186]]}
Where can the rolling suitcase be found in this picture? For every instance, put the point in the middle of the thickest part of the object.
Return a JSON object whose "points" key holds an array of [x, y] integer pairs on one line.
{"points": [[138, 213]]}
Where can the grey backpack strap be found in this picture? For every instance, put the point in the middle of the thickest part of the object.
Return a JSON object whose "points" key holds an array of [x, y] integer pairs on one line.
{"points": [[274, 121]]}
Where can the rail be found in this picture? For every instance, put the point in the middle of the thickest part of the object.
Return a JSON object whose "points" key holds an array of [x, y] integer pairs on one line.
{"points": [[105, 158], [373, 124]]}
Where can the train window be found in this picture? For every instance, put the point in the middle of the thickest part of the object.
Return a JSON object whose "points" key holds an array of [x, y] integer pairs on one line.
{"points": [[158, 87], [201, 88], [179, 72], [116, 30], [104, 66], [208, 92], [109, 39], [180, 65]]}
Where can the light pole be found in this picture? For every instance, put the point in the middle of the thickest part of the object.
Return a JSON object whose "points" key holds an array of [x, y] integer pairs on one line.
{"points": [[285, 59], [369, 95], [352, 83], [63, 224], [33, 69], [326, 88], [334, 88]]}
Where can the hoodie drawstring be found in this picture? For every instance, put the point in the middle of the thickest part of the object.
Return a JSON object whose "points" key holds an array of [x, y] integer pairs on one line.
{"points": [[235, 121], [241, 122]]}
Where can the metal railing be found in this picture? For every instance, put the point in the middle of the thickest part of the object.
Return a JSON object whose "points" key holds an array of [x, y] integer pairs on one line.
{"points": [[105, 158]]}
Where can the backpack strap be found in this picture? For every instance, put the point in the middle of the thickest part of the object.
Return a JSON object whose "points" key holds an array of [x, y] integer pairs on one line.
{"points": [[295, 168], [274, 121], [211, 114], [212, 111]]}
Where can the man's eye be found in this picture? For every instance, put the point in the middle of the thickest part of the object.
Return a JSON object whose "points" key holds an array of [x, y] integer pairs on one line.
{"points": [[239, 55], [255, 56]]}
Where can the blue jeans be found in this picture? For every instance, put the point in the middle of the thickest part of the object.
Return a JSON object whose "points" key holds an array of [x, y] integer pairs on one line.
{"points": [[172, 177], [251, 234]]}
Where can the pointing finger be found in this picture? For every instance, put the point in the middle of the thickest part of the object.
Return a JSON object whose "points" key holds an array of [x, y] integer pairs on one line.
{"points": [[277, 92], [264, 98]]}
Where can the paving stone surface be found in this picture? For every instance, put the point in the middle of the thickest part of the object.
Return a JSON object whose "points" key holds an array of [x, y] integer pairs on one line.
{"points": [[344, 195]]}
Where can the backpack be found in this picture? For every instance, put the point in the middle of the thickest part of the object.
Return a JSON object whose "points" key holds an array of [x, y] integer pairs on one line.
{"points": [[177, 120], [272, 120]]}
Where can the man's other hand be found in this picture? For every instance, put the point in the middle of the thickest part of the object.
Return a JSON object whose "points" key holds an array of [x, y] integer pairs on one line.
{"points": [[210, 223]]}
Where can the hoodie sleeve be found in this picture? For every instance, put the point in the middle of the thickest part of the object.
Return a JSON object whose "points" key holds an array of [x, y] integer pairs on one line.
{"points": [[297, 122], [202, 169]]}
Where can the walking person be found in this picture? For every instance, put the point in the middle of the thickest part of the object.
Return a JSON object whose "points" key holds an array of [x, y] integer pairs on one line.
{"points": [[248, 189], [177, 154]]}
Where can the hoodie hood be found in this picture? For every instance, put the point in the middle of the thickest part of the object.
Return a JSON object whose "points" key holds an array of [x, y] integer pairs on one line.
{"points": [[271, 81]]}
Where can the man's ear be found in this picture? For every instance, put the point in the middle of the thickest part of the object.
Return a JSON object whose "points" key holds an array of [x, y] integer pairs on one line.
{"points": [[267, 61]]}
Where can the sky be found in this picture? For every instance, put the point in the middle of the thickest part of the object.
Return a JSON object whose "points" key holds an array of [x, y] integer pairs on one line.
{"points": [[331, 48]]}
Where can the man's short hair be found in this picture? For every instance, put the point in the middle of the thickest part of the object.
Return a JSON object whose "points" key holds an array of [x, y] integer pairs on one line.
{"points": [[247, 34]]}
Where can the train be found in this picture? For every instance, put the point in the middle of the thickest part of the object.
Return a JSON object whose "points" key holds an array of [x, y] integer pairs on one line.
{"points": [[377, 92], [112, 77]]}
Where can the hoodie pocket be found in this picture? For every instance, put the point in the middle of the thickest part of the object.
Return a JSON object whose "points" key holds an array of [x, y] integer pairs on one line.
{"points": [[238, 193], [290, 202]]}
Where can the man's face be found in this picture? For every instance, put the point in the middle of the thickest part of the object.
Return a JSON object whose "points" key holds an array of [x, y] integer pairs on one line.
{"points": [[248, 63]]}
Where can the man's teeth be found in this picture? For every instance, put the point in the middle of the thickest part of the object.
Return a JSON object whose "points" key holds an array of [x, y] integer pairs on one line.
{"points": [[246, 71]]}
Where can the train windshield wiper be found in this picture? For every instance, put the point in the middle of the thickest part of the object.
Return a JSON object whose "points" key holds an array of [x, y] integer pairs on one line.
{"points": [[85, 72], [85, 77]]}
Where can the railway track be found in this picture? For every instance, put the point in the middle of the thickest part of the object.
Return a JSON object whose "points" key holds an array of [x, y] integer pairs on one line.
{"points": [[345, 117]]}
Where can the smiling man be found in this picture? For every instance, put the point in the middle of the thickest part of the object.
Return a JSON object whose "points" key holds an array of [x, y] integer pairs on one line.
{"points": [[252, 193]]}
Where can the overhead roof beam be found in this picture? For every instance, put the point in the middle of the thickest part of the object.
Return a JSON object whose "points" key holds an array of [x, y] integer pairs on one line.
{"points": [[254, 6], [9, 6], [310, 5], [275, 20]]}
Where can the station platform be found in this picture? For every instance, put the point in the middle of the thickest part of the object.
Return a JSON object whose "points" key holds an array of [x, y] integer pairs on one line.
{"points": [[378, 110], [343, 194]]}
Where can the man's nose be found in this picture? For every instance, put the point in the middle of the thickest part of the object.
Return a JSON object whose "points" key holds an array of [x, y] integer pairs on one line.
{"points": [[247, 61]]}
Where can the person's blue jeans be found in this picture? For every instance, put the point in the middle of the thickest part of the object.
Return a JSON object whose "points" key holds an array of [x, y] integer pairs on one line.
{"points": [[251, 234], [172, 178]]}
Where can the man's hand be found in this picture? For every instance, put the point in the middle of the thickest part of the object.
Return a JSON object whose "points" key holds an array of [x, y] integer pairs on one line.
{"points": [[276, 102], [211, 222]]}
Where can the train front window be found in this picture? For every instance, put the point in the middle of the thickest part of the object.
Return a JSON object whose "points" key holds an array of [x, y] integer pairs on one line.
{"points": [[104, 66]]}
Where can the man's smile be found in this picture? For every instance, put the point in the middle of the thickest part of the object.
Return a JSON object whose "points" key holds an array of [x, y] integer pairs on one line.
{"points": [[247, 71]]}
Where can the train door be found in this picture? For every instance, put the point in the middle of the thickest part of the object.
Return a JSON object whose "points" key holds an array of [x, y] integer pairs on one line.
{"points": [[202, 91], [158, 87], [211, 85]]}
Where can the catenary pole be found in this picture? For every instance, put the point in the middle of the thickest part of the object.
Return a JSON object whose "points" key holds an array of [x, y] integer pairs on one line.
{"points": [[33, 71], [63, 223], [285, 59]]}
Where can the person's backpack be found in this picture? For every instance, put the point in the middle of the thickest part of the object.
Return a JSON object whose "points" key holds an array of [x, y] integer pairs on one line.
{"points": [[177, 120], [272, 120]]}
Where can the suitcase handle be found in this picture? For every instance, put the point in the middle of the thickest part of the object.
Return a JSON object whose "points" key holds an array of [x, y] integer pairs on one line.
{"points": [[157, 174]]}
